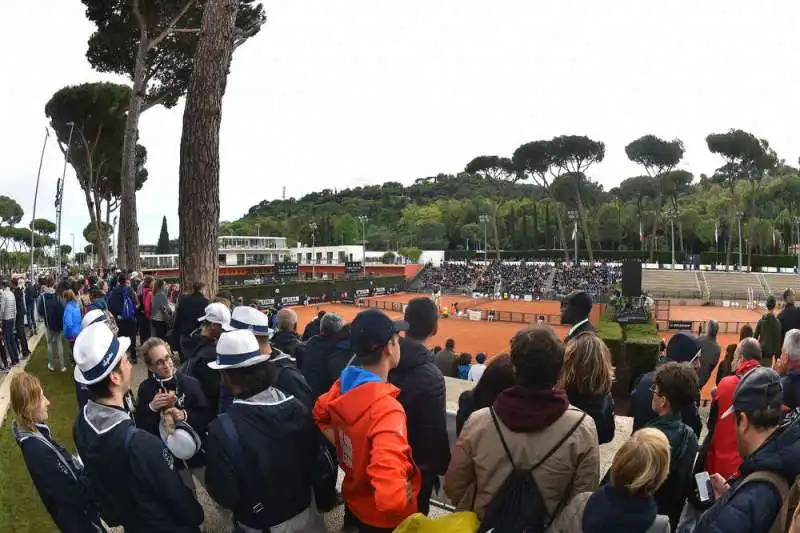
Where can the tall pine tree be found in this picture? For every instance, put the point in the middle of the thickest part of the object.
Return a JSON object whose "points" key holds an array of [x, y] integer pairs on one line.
{"points": [[163, 238]]}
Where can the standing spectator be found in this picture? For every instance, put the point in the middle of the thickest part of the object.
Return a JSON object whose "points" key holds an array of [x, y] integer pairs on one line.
{"points": [[50, 308], [499, 376], [575, 312], [30, 305], [790, 316], [122, 302], [189, 310], [681, 348], [8, 314], [313, 327], [54, 472], [587, 379], [528, 422], [725, 368], [71, 320], [362, 417], [146, 300], [477, 370], [160, 311], [723, 454], [179, 395], [130, 471], [446, 360], [213, 323], [260, 453], [769, 442], [286, 338], [789, 366], [768, 333], [709, 354], [423, 396], [626, 503], [674, 388], [19, 323], [97, 301], [319, 350]]}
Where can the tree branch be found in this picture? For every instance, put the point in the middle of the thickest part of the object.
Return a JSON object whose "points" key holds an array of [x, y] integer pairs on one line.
{"points": [[154, 102], [171, 26], [185, 30]]}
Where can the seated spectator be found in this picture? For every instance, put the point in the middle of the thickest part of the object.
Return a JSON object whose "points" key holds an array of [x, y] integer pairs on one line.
{"points": [[463, 362], [769, 441], [54, 472], [261, 453], [477, 370], [768, 333], [626, 503], [587, 378], [531, 421], [675, 387], [723, 454], [499, 376], [362, 417], [681, 348], [789, 365]]}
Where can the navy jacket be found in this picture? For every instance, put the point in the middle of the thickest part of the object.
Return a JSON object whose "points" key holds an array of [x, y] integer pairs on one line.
{"points": [[140, 489], [289, 343], [791, 388], [56, 477], [642, 413], [422, 394], [753, 508], [279, 443], [290, 380], [319, 350], [601, 409], [206, 351], [190, 398]]}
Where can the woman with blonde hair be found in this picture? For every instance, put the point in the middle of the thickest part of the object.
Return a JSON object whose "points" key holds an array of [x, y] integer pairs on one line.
{"points": [[54, 472], [625, 504], [587, 378]]}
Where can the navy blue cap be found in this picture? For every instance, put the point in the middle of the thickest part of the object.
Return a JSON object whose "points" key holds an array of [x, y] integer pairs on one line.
{"points": [[757, 390], [372, 329], [682, 347]]}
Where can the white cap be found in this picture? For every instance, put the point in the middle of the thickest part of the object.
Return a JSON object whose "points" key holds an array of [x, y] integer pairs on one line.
{"points": [[237, 349], [217, 313], [97, 352], [252, 319], [92, 317]]}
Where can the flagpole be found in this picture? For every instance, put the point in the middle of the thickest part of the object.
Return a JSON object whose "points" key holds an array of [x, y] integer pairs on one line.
{"points": [[36, 197]]}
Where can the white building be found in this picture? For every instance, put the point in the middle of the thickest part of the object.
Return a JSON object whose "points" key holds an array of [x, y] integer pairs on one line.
{"points": [[326, 255]]}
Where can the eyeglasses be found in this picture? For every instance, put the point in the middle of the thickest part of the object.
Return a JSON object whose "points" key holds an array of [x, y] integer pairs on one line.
{"points": [[164, 361]]}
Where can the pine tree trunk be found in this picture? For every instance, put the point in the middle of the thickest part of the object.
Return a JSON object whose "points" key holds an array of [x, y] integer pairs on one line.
{"points": [[128, 236], [198, 196]]}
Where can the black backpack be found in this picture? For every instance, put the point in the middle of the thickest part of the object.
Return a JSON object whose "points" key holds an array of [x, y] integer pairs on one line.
{"points": [[518, 507]]}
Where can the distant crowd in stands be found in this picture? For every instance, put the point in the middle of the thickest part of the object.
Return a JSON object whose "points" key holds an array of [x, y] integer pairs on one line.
{"points": [[523, 278], [262, 417]]}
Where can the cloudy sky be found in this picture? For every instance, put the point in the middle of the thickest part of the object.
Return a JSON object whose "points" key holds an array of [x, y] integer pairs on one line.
{"points": [[336, 93]]}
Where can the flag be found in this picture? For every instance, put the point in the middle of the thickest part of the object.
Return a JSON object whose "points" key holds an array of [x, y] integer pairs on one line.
{"points": [[641, 233], [716, 233], [575, 230]]}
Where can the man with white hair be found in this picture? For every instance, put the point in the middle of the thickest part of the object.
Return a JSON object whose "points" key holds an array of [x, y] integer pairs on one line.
{"points": [[789, 367], [286, 338]]}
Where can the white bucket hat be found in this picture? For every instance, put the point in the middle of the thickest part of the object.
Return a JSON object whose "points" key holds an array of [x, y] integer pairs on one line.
{"points": [[183, 442], [252, 319], [97, 352], [237, 349], [217, 313], [92, 317]]}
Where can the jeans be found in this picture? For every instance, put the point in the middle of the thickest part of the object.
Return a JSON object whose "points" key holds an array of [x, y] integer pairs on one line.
{"points": [[10, 339], [54, 343], [31, 317], [23, 339]]}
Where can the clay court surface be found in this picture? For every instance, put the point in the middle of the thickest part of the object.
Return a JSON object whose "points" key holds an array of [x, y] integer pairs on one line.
{"points": [[493, 337]]}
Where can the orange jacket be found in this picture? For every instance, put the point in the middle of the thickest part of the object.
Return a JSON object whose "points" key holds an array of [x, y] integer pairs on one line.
{"points": [[372, 447]]}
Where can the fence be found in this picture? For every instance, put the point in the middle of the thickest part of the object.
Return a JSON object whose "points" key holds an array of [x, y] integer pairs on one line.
{"points": [[489, 315]]}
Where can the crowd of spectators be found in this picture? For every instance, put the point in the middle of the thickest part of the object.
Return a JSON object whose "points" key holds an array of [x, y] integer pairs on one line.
{"points": [[595, 279]]}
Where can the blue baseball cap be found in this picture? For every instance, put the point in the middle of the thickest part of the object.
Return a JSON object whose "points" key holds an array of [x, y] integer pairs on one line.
{"points": [[371, 330]]}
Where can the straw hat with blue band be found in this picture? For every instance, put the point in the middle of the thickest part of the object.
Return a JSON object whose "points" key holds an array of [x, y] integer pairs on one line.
{"points": [[252, 319], [93, 317], [97, 352], [237, 349]]}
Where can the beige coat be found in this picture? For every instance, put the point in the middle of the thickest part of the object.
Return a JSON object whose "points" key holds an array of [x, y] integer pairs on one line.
{"points": [[571, 518], [480, 461]]}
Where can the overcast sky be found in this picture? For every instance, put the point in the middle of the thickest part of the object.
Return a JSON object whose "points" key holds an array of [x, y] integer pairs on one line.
{"points": [[336, 93]]}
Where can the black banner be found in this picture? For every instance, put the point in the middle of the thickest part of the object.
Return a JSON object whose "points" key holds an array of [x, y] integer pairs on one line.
{"points": [[353, 267], [286, 269], [684, 325]]}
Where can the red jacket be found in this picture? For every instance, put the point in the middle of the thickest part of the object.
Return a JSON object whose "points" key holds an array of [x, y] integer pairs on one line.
{"points": [[372, 447], [723, 455], [147, 300]]}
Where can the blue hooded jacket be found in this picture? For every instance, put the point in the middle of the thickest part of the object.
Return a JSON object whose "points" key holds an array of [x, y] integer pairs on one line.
{"points": [[72, 320]]}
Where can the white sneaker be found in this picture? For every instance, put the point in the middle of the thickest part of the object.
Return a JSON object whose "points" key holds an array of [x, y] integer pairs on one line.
{"points": [[63, 369], [50, 367]]}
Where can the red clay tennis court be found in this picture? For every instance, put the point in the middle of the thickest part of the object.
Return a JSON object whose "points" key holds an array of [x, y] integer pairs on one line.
{"points": [[472, 336]]}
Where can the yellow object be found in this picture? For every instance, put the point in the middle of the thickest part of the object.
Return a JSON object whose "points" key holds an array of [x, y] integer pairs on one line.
{"points": [[461, 522]]}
